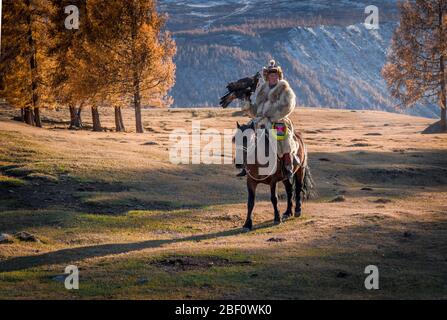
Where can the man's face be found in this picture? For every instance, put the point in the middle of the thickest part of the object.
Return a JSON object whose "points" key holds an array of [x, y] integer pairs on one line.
{"points": [[273, 78]]}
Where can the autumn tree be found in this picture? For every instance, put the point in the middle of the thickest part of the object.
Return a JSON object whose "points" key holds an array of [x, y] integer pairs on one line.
{"points": [[23, 65], [416, 63], [79, 79], [65, 46], [103, 71], [84, 88], [137, 53]]}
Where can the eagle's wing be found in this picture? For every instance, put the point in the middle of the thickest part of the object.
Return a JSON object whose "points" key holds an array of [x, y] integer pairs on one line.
{"points": [[227, 99], [241, 89], [240, 84]]}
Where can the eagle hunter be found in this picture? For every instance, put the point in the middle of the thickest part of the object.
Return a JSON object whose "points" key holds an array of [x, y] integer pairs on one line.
{"points": [[241, 89]]}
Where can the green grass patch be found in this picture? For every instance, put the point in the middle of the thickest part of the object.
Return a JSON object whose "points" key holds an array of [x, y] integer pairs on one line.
{"points": [[11, 182], [23, 219], [137, 221]]}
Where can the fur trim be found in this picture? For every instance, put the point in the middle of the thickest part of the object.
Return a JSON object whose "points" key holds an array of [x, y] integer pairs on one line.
{"points": [[278, 90], [276, 103], [264, 93]]}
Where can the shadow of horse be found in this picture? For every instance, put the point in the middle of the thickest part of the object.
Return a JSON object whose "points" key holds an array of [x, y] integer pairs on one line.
{"points": [[70, 255]]}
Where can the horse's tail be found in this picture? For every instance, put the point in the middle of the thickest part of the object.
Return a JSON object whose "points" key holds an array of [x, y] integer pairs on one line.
{"points": [[309, 186]]}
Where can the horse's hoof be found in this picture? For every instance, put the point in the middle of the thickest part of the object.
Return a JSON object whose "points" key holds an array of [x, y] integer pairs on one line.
{"points": [[286, 216], [277, 222], [247, 227], [297, 214]]}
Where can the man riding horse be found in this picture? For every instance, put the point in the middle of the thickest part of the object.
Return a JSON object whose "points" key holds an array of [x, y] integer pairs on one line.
{"points": [[274, 102]]}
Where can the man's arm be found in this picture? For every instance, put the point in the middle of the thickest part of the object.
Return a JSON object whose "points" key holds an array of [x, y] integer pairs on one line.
{"points": [[249, 109]]}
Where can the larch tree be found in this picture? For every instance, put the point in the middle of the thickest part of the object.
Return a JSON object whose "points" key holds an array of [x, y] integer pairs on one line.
{"points": [[138, 54], [23, 65], [103, 70], [91, 84], [416, 68], [65, 48], [79, 78]]}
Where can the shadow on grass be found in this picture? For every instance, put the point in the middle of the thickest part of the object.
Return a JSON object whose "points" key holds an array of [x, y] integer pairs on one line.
{"points": [[76, 254], [327, 267], [435, 128], [398, 169]]}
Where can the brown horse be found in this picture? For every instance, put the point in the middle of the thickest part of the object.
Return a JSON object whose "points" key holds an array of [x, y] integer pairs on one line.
{"points": [[302, 180]]}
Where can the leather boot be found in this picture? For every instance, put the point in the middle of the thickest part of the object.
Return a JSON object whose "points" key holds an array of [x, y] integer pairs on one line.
{"points": [[243, 173]]}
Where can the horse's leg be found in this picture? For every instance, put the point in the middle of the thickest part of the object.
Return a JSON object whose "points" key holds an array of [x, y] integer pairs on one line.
{"points": [[251, 186], [299, 180], [289, 191], [274, 199]]}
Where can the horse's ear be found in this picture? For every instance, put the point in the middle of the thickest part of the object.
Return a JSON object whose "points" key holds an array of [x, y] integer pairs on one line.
{"points": [[238, 125]]}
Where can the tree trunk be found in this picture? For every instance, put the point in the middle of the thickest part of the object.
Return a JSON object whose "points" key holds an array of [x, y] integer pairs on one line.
{"points": [[444, 119], [22, 114], [37, 120], [96, 121], [33, 67], [119, 124], [139, 124], [136, 78], [78, 122], [72, 117], [29, 116], [75, 118], [443, 96], [137, 104]]}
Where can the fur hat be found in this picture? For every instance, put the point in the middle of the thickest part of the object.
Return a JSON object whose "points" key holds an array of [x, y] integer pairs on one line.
{"points": [[273, 68]]}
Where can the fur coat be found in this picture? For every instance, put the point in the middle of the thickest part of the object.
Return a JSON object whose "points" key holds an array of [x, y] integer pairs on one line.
{"points": [[274, 105]]}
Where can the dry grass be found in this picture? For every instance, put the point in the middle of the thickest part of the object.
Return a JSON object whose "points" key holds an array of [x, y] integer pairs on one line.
{"points": [[112, 204]]}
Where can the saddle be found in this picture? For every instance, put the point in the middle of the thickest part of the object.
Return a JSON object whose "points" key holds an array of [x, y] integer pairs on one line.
{"points": [[281, 130]]}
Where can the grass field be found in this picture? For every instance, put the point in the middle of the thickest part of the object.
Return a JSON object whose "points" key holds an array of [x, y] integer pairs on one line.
{"points": [[138, 226]]}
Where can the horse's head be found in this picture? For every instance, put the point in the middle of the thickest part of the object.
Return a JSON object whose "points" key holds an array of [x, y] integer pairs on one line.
{"points": [[244, 138]]}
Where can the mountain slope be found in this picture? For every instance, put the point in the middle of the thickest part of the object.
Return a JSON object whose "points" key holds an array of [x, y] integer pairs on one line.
{"points": [[333, 62]]}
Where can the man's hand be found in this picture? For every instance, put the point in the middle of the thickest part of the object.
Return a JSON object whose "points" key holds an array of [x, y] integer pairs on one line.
{"points": [[246, 106]]}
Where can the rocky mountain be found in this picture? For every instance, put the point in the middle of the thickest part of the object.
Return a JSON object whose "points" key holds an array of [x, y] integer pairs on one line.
{"points": [[330, 58]]}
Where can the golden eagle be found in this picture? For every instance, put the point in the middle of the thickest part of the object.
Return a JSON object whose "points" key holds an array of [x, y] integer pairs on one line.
{"points": [[241, 89]]}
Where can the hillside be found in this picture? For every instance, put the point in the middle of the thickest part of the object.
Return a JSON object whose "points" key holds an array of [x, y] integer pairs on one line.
{"points": [[328, 55], [141, 227]]}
